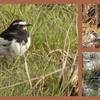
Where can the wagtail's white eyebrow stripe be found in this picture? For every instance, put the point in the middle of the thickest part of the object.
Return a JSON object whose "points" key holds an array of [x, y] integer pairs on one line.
{"points": [[19, 23]]}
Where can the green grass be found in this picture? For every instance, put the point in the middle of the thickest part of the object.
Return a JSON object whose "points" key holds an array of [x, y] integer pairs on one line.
{"points": [[54, 29]]}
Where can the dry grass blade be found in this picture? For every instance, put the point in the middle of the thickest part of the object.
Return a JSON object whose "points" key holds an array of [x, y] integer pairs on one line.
{"points": [[26, 68], [36, 78], [61, 51], [71, 79]]}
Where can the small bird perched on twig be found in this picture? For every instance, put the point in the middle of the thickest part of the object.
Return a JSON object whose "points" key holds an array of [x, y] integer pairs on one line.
{"points": [[15, 40], [94, 35]]}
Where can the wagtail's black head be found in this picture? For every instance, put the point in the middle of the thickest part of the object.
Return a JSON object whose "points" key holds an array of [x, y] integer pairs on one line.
{"points": [[19, 24]]}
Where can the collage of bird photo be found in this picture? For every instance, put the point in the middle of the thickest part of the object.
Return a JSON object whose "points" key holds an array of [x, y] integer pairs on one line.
{"points": [[91, 39], [39, 53], [39, 50], [91, 26]]}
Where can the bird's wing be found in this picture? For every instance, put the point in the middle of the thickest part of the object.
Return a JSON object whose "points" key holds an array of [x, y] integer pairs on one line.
{"points": [[4, 42]]}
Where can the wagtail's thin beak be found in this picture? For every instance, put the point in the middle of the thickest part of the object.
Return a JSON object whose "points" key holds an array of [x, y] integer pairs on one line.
{"points": [[28, 25]]}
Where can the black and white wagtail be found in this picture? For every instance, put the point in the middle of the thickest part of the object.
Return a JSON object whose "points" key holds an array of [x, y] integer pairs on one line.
{"points": [[15, 40], [94, 35]]}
